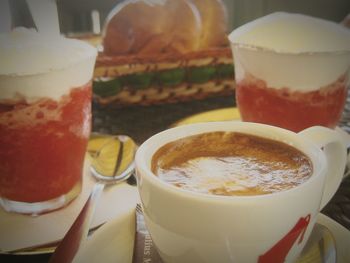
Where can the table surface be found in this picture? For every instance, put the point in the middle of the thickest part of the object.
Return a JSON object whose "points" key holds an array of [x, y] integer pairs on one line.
{"points": [[141, 122]]}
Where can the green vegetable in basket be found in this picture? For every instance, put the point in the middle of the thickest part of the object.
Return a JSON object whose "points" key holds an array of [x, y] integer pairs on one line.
{"points": [[201, 74], [138, 80], [171, 77], [105, 88], [224, 71]]}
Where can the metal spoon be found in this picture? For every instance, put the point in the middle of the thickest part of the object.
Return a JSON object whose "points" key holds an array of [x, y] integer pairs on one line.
{"points": [[112, 161], [320, 247]]}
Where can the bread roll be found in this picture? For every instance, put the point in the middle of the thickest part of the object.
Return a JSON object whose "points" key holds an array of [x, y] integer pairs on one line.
{"points": [[151, 27], [214, 23]]}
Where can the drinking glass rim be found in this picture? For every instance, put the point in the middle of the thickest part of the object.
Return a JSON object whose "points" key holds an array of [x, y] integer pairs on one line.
{"points": [[305, 146]]}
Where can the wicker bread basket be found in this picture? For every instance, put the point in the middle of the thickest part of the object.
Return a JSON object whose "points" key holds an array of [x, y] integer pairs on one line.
{"points": [[167, 78]]}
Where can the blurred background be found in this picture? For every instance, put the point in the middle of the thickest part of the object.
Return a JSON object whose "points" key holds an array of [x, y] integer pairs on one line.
{"points": [[76, 15], [86, 16]]}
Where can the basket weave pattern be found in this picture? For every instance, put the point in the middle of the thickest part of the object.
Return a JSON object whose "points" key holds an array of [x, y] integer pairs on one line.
{"points": [[115, 67]]}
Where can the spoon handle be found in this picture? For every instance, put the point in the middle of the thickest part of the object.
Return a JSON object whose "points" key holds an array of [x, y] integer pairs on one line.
{"points": [[69, 246]]}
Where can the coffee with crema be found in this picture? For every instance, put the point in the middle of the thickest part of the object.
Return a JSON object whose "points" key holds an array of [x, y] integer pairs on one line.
{"points": [[231, 163]]}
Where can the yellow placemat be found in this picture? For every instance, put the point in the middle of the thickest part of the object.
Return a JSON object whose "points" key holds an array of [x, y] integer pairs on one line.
{"points": [[226, 114]]}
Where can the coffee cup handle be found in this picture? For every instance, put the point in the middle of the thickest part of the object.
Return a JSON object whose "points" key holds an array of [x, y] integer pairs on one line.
{"points": [[333, 146]]}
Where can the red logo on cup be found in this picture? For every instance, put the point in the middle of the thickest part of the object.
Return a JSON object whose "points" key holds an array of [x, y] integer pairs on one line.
{"points": [[279, 251]]}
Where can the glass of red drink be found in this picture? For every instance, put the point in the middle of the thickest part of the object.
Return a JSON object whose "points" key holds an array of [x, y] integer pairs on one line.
{"points": [[292, 71], [45, 115]]}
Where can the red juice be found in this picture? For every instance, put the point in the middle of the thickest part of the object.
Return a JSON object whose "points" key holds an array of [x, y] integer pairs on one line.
{"points": [[43, 146], [293, 110]]}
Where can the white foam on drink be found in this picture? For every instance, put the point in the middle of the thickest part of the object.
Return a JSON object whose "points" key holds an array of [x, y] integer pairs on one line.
{"points": [[233, 175], [35, 65], [293, 33], [292, 51]]}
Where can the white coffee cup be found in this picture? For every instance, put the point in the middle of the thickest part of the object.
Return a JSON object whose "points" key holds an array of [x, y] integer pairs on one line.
{"points": [[191, 227]]}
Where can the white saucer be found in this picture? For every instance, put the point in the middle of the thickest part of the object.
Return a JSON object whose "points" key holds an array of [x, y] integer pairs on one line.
{"points": [[114, 241], [21, 231]]}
